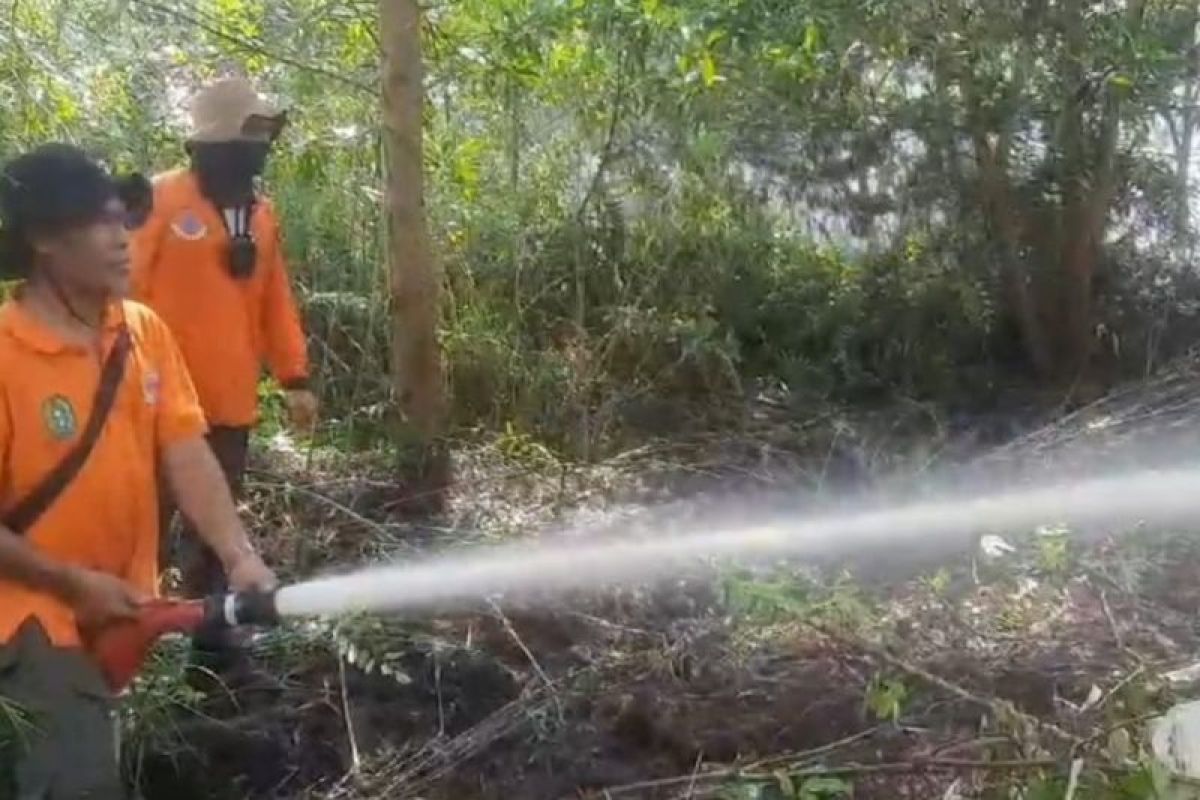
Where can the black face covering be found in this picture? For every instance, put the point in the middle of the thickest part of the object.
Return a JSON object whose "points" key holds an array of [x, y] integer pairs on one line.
{"points": [[226, 171]]}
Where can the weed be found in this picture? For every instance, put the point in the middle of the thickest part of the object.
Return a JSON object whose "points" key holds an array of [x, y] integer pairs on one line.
{"points": [[885, 697], [1053, 550]]}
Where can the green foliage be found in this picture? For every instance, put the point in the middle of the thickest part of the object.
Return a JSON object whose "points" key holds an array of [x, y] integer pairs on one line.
{"points": [[664, 201], [610, 228], [885, 697], [785, 596], [788, 787], [824, 789], [154, 702], [1053, 550], [1145, 782]]}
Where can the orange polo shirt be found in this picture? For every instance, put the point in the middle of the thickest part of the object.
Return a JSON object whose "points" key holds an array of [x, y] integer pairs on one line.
{"points": [[227, 327], [107, 518]]}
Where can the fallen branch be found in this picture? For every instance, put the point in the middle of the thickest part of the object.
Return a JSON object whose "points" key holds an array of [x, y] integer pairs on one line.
{"points": [[847, 771], [816, 752], [762, 764], [999, 708], [348, 716], [533, 662], [312, 494]]}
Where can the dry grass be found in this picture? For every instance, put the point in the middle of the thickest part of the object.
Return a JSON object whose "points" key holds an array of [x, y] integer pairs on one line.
{"points": [[942, 678]]}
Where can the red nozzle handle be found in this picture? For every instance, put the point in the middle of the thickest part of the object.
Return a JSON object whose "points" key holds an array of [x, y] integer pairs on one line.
{"points": [[121, 648]]}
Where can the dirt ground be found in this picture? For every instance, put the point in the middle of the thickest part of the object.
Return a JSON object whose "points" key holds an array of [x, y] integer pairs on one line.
{"points": [[575, 704], [935, 677]]}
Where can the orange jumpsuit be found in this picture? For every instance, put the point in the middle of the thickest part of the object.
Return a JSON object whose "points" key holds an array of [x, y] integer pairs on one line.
{"points": [[227, 328]]}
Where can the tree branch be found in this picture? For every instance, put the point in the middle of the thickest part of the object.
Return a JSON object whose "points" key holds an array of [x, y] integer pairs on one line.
{"points": [[254, 47]]}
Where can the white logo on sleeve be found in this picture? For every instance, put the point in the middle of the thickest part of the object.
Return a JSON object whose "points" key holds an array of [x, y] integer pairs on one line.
{"points": [[151, 387]]}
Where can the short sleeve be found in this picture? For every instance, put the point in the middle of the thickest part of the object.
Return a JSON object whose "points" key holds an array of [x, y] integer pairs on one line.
{"points": [[179, 415], [6, 431]]}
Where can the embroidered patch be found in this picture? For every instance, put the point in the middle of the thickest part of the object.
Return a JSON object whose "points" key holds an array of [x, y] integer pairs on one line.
{"points": [[189, 226], [151, 388], [59, 417]]}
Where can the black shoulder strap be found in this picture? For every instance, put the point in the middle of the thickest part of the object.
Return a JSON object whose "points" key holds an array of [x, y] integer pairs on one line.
{"points": [[27, 511]]}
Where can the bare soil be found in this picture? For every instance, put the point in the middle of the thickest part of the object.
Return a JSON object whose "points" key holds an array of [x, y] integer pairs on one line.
{"points": [[1005, 668]]}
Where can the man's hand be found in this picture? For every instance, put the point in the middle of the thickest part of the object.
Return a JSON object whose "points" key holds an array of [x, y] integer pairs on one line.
{"points": [[302, 409], [99, 599], [249, 573]]}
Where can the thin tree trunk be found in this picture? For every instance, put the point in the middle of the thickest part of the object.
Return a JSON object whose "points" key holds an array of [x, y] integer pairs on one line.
{"points": [[1183, 136], [1090, 186], [417, 378]]}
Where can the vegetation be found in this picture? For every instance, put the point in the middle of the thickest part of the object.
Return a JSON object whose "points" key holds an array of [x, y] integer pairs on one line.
{"points": [[603, 251], [692, 201]]}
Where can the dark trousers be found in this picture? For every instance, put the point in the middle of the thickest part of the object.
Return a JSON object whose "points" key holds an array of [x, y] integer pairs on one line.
{"points": [[66, 747], [201, 570]]}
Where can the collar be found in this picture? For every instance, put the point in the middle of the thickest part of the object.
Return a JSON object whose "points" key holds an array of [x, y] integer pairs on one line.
{"points": [[16, 321]]}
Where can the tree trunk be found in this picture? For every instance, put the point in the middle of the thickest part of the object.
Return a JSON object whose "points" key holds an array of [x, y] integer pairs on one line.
{"points": [[1183, 132], [1002, 211], [1090, 185], [416, 363]]}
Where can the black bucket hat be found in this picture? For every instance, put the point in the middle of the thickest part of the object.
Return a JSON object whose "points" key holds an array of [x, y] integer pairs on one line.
{"points": [[54, 187]]}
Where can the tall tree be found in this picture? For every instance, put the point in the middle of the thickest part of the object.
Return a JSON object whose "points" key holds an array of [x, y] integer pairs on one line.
{"points": [[417, 376]]}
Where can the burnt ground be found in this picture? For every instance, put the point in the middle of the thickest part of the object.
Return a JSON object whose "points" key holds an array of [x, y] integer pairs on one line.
{"points": [[932, 678]]}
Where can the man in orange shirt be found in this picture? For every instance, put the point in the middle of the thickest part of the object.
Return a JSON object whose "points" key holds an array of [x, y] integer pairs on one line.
{"points": [[91, 556], [209, 261]]}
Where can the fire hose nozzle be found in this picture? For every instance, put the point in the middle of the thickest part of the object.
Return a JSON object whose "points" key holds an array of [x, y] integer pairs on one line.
{"points": [[241, 608], [121, 648]]}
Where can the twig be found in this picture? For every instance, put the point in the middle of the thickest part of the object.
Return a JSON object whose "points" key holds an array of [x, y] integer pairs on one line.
{"points": [[1121, 684], [533, 662], [849, 770], [1073, 779], [691, 790], [1104, 733], [816, 752], [997, 707], [437, 685], [765, 763], [989, 741], [255, 48], [600, 622], [329, 501], [439, 757], [355, 757], [1112, 621], [610, 138]]}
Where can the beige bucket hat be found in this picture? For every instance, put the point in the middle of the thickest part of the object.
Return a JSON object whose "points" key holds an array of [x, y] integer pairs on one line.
{"points": [[231, 109]]}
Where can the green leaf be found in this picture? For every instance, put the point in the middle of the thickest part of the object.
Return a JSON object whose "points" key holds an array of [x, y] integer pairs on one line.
{"points": [[812, 38], [824, 789], [708, 70], [885, 698]]}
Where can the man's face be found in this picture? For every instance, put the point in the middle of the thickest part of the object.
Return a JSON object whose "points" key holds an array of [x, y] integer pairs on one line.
{"points": [[92, 258]]}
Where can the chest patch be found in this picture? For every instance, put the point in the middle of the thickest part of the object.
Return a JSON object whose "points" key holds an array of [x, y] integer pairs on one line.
{"points": [[189, 226], [58, 415]]}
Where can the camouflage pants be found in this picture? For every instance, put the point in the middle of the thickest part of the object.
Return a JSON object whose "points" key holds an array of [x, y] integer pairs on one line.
{"points": [[66, 745]]}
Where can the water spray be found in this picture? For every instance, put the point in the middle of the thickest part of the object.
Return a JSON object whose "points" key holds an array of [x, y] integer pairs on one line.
{"points": [[452, 581]]}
